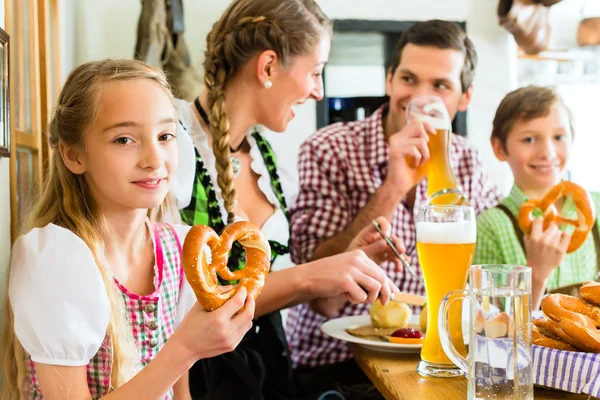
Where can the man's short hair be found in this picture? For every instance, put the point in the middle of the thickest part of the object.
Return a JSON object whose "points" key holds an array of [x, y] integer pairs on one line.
{"points": [[442, 35]]}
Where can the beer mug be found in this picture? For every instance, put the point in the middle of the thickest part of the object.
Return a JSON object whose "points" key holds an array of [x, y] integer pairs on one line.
{"points": [[442, 185], [499, 364], [446, 238]]}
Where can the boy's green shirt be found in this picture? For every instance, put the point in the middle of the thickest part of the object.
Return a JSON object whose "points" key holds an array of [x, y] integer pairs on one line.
{"points": [[497, 242]]}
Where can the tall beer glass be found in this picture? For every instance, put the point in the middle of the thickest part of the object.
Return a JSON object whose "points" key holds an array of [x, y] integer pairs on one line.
{"points": [[442, 186], [446, 238]]}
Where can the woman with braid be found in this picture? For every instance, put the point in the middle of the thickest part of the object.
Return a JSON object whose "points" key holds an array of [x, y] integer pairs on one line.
{"points": [[262, 58]]}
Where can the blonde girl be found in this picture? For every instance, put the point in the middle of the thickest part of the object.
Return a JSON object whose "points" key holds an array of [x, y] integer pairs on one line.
{"points": [[96, 287]]}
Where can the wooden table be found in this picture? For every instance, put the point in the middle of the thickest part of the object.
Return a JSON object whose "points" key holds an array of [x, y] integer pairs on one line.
{"points": [[395, 376]]}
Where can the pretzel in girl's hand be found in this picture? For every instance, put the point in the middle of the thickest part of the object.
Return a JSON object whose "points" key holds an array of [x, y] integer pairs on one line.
{"points": [[586, 213], [201, 268]]}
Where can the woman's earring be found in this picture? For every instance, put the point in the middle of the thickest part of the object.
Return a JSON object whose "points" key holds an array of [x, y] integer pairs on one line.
{"points": [[268, 84]]}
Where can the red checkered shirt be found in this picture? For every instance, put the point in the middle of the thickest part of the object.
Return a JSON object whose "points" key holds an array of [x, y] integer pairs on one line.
{"points": [[341, 167]]}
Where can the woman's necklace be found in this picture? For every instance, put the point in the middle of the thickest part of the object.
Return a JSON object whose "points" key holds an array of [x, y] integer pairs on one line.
{"points": [[236, 165]]}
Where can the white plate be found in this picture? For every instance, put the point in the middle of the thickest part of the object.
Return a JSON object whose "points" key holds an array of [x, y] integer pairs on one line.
{"points": [[335, 328]]}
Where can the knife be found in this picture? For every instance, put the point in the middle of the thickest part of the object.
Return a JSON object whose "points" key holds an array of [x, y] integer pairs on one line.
{"points": [[401, 256], [408, 298]]}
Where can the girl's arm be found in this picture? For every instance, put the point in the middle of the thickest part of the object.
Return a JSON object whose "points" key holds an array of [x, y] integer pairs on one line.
{"points": [[152, 382], [201, 334], [181, 389]]}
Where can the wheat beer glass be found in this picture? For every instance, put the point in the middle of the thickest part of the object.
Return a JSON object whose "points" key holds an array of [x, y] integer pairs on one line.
{"points": [[445, 245], [442, 186], [499, 365]]}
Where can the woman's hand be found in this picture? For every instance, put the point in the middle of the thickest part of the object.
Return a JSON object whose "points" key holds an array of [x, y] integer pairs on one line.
{"points": [[371, 244], [350, 276], [351, 273], [209, 334], [369, 241]]}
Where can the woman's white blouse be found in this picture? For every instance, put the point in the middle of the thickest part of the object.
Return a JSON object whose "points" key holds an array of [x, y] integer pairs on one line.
{"points": [[58, 297], [193, 136]]}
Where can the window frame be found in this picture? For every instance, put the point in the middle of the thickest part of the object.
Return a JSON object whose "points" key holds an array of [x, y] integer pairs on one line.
{"points": [[44, 69]]}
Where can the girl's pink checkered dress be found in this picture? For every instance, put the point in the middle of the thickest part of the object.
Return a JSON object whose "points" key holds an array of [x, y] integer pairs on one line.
{"points": [[152, 316]]}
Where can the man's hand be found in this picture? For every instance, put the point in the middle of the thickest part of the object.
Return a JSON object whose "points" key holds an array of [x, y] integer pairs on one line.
{"points": [[408, 154]]}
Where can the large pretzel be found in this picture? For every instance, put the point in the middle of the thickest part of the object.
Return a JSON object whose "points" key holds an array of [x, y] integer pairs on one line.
{"points": [[201, 269], [572, 320], [560, 307], [590, 292], [586, 213], [548, 339]]}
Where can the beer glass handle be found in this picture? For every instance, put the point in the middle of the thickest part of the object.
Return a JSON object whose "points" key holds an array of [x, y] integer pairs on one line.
{"points": [[443, 324]]}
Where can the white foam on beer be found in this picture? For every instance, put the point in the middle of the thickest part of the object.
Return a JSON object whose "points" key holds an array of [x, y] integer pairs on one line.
{"points": [[442, 122], [446, 232]]}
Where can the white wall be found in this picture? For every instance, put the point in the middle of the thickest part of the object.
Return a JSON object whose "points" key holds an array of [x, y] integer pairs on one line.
{"points": [[564, 18], [584, 162]]}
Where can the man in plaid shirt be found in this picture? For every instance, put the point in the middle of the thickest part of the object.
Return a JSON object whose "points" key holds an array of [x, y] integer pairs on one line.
{"points": [[353, 172]]}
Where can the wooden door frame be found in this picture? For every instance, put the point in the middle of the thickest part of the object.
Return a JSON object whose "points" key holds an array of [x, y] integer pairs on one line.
{"points": [[41, 70]]}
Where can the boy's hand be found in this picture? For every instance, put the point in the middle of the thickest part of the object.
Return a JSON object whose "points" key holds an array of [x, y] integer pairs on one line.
{"points": [[545, 250]]}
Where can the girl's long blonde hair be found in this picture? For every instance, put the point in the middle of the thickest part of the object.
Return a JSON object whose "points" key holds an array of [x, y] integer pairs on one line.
{"points": [[66, 201], [248, 27]]}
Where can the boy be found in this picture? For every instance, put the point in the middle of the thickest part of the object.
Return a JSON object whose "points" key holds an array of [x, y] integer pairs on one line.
{"points": [[532, 132]]}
